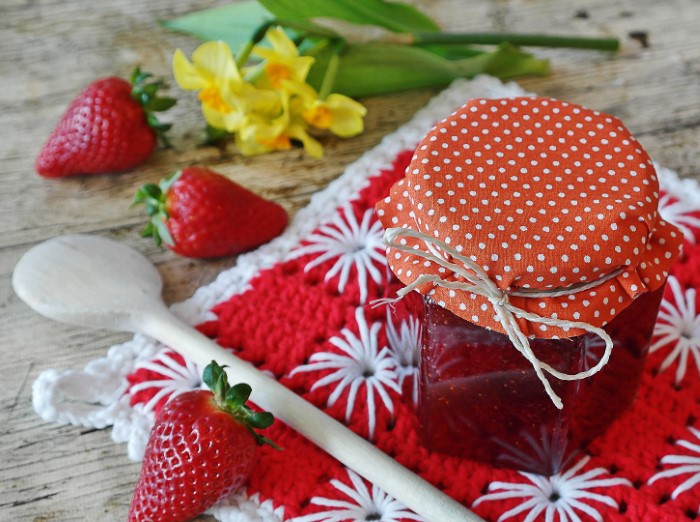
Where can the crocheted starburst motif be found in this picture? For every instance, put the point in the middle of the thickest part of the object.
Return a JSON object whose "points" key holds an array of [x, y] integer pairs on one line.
{"points": [[362, 505], [351, 244], [680, 213], [683, 464], [404, 343], [165, 376], [563, 494], [360, 365], [678, 326]]}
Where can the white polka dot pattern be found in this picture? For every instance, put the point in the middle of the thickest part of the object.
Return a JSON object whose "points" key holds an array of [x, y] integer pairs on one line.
{"points": [[544, 195]]}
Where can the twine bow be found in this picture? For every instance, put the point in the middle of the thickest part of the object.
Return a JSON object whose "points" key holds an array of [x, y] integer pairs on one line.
{"points": [[473, 279]]}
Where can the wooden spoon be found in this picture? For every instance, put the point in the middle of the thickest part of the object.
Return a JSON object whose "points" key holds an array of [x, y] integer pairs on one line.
{"points": [[100, 283]]}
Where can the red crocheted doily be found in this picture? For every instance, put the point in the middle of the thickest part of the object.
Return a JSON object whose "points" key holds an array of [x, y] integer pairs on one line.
{"points": [[307, 321]]}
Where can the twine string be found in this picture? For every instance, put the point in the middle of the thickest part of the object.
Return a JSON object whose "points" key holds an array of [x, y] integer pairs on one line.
{"points": [[470, 277]]}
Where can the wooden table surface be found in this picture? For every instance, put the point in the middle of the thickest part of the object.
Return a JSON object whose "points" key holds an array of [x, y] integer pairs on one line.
{"points": [[50, 49]]}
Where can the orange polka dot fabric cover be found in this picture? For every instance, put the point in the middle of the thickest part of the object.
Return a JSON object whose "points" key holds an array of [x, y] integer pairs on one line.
{"points": [[299, 309], [543, 194]]}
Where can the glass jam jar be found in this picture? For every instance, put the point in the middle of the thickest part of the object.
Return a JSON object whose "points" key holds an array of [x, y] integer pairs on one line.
{"points": [[527, 235], [477, 390]]}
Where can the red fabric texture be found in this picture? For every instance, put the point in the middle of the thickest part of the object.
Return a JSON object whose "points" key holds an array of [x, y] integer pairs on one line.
{"points": [[293, 311], [536, 190]]}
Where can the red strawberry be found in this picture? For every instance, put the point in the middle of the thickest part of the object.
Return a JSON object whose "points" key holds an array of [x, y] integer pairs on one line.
{"points": [[200, 213], [202, 448], [110, 127]]}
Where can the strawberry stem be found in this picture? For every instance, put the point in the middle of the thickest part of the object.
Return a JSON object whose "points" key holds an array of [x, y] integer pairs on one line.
{"points": [[232, 399], [145, 91], [155, 198]]}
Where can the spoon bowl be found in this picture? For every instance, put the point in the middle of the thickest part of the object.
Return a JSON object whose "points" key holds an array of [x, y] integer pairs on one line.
{"points": [[96, 282], [88, 281]]}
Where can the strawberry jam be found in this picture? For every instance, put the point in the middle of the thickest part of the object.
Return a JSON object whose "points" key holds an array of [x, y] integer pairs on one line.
{"points": [[480, 398]]}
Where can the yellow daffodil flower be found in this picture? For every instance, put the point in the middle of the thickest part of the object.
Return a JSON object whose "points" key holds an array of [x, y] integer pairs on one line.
{"points": [[259, 135], [272, 105], [213, 73], [264, 132], [341, 115], [282, 61]]}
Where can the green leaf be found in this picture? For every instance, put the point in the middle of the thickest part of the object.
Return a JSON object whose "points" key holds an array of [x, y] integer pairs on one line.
{"points": [[506, 61], [213, 135], [160, 104], [221, 387], [164, 235], [397, 17], [150, 190], [168, 181], [261, 420], [453, 52], [260, 439], [211, 374], [149, 90], [373, 69], [233, 23], [239, 394], [147, 230]]}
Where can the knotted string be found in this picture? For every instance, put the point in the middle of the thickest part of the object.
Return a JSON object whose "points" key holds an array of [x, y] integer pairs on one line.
{"points": [[477, 281]]}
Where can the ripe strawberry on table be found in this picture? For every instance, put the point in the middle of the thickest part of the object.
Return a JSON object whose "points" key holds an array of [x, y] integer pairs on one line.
{"points": [[200, 213], [202, 448], [110, 127]]}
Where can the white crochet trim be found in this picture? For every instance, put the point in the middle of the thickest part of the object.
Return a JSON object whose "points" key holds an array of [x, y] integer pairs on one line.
{"points": [[95, 397], [241, 508], [685, 189]]}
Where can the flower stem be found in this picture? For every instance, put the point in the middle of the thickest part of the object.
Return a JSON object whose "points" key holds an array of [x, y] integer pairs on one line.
{"points": [[257, 37], [535, 40], [331, 69]]}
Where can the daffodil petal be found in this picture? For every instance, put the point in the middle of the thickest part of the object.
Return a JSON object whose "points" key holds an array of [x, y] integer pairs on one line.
{"points": [[232, 121], [297, 67], [261, 101], [215, 118], [258, 128], [301, 89], [318, 116], [186, 75], [346, 124], [216, 59], [340, 100], [312, 147], [347, 115], [265, 52], [249, 147], [301, 67], [281, 43]]}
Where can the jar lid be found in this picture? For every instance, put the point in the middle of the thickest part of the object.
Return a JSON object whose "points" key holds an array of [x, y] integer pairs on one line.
{"points": [[558, 204]]}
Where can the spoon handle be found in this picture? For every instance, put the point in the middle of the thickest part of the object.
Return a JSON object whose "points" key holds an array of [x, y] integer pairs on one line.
{"points": [[330, 435]]}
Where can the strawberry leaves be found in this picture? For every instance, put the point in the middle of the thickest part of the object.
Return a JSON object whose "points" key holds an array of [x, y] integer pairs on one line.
{"points": [[145, 91], [233, 399], [154, 197]]}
